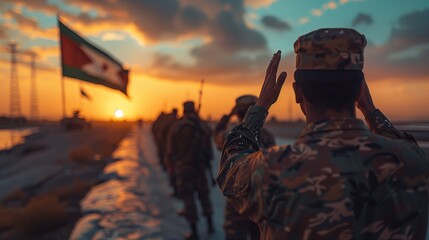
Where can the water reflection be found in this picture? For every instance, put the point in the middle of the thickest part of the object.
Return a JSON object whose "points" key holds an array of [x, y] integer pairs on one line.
{"points": [[12, 137]]}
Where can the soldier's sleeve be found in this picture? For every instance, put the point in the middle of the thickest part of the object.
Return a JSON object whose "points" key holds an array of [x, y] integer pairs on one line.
{"points": [[267, 138], [219, 132], [242, 166], [380, 125]]}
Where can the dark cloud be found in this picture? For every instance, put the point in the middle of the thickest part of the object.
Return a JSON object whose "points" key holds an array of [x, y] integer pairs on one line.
{"points": [[216, 68], [362, 18], [231, 34], [228, 57], [27, 27], [411, 31], [192, 17], [231, 50], [22, 20], [172, 19], [275, 23]]}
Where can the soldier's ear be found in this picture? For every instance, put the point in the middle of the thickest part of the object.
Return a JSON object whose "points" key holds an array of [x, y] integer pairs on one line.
{"points": [[298, 93]]}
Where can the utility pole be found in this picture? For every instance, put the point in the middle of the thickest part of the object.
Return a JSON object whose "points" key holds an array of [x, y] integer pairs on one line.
{"points": [[15, 101], [34, 110]]}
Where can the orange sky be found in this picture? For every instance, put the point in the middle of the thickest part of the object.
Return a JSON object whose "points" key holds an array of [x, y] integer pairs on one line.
{"points": [[399, 100]]}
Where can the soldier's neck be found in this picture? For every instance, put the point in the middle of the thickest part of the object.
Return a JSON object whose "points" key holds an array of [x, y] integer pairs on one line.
{"points": [[315, 115]]}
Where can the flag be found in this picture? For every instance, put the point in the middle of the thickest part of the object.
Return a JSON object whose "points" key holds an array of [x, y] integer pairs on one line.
{"points": [[84, 94], [83, 60]]}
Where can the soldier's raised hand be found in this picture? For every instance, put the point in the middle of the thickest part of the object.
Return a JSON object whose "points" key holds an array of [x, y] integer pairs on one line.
{"points": [[271, 88]]}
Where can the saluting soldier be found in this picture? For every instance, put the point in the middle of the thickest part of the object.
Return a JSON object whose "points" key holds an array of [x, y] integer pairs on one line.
{"points": [[238, 226], [339, 180]]}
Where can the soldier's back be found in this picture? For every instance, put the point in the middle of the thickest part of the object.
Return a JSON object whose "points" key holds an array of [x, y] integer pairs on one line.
{"points": [[348, 184], [182, 137]]}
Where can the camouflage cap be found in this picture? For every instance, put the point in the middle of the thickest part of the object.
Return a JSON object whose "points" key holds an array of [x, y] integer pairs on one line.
{"points": [[330, 49]]}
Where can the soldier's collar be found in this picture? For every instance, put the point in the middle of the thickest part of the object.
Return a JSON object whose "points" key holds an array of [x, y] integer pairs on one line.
{"points": [[334, 124]]}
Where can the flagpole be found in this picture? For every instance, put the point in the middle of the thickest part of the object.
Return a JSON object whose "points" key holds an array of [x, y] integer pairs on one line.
{"points": [[63, 92]]}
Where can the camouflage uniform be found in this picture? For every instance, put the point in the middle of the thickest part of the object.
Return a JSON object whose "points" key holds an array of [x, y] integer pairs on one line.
{"points": [[238, 226], [339, 180], [188, 168]]}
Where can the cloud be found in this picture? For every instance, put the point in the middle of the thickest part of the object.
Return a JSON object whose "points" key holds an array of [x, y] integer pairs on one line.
{"points": [[216, 68], [259, 3], [27, 26], [172, 20], [362, 18], [329, 5], [111, 36], [39, 5], [317, 12], [411, 30], [410, 34], [45, 52], [275, 23], [229, 33], [304, 20], [20, 19], [231, 51]]}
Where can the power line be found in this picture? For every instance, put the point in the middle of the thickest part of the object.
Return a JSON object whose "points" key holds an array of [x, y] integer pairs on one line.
{"points": [[15, 100], [34, 110]]}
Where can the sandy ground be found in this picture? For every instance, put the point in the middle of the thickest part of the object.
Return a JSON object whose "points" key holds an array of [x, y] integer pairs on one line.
{"points": [[56, 167], [49, 154], [140, 193]]}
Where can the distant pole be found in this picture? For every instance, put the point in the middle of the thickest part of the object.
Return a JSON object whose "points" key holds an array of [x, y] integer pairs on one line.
{"points": [[34, 111], [200, 97], [290, 109], [63, 92], [15, 101]]}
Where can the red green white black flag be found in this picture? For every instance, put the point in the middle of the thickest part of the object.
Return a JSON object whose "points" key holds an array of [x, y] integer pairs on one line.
{"points": [[83, 60]]}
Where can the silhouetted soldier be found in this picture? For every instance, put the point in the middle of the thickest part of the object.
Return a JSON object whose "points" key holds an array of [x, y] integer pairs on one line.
{"points": [[339, 180], [190, 151], [165, 126], [155, 129], [161, 130], [236, 225]]}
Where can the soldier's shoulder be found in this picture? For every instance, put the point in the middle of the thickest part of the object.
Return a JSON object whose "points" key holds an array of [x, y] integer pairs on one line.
{"points": [[401, 148], [295, 159]]}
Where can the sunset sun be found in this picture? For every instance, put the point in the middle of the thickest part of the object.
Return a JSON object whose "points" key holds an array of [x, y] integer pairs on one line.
{"points": [[119, 113]]}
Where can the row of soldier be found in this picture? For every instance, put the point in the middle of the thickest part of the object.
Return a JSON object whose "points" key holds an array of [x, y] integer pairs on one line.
{"points": [[341, 179], [185, 153]]}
